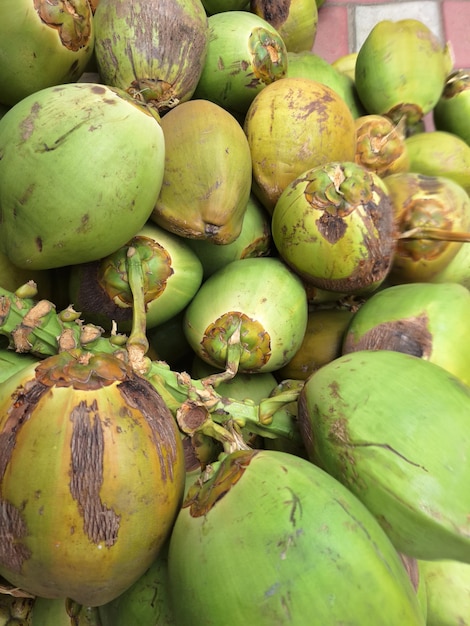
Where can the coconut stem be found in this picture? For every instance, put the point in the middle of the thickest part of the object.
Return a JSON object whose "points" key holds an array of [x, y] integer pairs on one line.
{"points": [[234, 352], [137, 343]]}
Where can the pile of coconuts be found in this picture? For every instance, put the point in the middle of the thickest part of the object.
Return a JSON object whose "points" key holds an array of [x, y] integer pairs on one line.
{"points": [[231, 269]]}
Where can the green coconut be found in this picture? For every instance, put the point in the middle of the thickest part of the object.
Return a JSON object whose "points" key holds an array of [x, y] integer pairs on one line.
{"points": [[153, 49], [426, 320], [43, 44], [172, 274], [292, 125], [207, 177], [74, 185], [252, 313], [452, 110], [393, 428], [333, 225], [448, 592], [431, 213], [268, 538], [244, 54], [401, 69]]}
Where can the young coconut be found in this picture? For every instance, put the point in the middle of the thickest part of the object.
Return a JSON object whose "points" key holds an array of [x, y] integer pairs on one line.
{"points": [[401, 70], [65, 196], [77, 434], [393, 428], [381, 145], [43, 44], [152, 49], [244, 54], [265, 537], [292, 125], [426, 320], [448, 592], [172, 273], [207, 178], [249, 316], [334, 226], [295, 20], [440, 153]]}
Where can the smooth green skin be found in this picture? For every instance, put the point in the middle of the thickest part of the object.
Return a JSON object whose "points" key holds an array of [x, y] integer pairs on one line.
{"points": [[32, 55], [73, 184], [393, 428], [290, 113], [448, 592], [452, 110], [154, 48], [307, 64], [179, 288], [54, 612], [440, 153], [146, 602], [229, 75], [207, 177], [433, 322], [274, 551], [400, 63], [264, 290], [254, 240]]}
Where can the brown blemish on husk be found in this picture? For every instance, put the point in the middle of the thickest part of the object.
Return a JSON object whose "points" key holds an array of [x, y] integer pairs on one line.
{"points": [[100, 523], [331, 227], [410, 336], [71, 18], [13, 528], [380, 246], [275, 12], [138, 393], [202, 496]]}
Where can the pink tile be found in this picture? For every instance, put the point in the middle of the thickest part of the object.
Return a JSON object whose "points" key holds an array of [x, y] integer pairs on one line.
{"points": [[456, 15], [332, 39]]}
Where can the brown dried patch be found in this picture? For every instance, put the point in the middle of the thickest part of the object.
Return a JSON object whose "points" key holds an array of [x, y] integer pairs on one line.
{"points": [[410, 336], [331, 227], [13, 528], [275, 12], [100, 523], [138, 393]]}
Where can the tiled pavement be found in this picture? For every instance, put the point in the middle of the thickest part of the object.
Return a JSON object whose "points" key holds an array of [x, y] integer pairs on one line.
{"points": [[344, 24]]}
